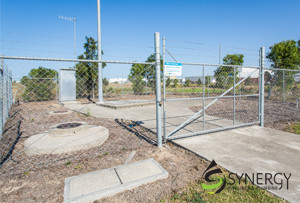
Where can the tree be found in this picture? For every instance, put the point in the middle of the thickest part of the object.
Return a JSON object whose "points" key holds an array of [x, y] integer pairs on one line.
{"points": [[168, 82], [40, 84], [207, 80], [138, 72], [187, 83], [284, 55], [175, 82], [87, 72], [199, 82], [223, 74]]}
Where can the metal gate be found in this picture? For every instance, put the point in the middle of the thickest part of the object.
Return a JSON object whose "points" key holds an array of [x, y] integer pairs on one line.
{"points": [[217, 97]]}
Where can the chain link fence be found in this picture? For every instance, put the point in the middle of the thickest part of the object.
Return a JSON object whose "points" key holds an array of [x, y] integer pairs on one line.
{"points": [[282, 93], [6, 94], [42, 93]]}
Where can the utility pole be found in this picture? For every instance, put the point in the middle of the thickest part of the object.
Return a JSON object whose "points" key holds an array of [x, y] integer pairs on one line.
{"points": [[74, 20], [220, 54]]}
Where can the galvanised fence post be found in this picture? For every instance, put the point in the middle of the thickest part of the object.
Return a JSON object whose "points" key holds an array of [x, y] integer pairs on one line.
{"points": [[261, 86], [164, 88], [1, 100], [283, 87], [100, 75], [158, 89]]}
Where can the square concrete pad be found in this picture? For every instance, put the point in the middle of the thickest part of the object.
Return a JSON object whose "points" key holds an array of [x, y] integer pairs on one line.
{"points": [[138, 170], [92, 182], [95, 185], [253, 150]]}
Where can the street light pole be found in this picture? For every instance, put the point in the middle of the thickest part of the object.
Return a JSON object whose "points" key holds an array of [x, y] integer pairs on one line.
{"points": [[74, 20]]}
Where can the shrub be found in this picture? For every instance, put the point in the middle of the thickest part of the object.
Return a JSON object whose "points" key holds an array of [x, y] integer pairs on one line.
{"points": [[40, 84]]}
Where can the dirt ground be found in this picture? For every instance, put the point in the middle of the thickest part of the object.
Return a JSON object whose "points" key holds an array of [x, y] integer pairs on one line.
{"points": [[41, 178]]}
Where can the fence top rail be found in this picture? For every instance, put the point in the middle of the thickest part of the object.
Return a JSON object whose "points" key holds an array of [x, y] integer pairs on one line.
{"points": [[223, 65], [73, 60], [281, 69]]}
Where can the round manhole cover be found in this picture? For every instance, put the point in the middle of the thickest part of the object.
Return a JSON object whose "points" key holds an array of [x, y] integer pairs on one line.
{"points": [[68, 125]]}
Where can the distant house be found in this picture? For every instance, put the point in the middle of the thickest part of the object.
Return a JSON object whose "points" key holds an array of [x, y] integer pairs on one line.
{"points": [[254, 75], [194, 79], [118, 80]]}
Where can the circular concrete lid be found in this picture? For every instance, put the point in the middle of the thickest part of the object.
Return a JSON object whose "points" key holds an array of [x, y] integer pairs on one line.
{"points": [[51, 143], [68, 129]]}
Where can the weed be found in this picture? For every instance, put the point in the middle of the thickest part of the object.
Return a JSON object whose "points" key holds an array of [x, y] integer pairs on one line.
{"points": [[67, 163], [77, 167]]}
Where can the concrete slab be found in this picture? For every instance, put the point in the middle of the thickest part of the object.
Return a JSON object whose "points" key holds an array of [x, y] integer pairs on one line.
{"points": [[91, 182], [138, 170], [253, 150], [127, 103], [51, 142], [176, 113], [96, 185]]}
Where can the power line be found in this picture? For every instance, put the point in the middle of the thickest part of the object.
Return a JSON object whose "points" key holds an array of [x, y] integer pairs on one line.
{"points": [[34, 43], [35, 35]]}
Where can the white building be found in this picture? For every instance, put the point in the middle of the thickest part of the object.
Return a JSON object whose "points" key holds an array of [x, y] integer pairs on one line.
{"points": [[118, 80], [243, 72]]}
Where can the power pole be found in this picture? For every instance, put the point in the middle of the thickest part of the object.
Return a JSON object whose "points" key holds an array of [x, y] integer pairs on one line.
{"points": [[74, 20], [220, 54]]}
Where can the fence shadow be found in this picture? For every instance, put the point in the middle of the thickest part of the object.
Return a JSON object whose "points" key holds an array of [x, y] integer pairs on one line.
{"points": [[137, 129]]}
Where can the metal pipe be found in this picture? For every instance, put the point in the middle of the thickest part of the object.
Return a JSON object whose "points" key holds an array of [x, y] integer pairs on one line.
{"points": [[1, 101], [283, 87], [234, 96], [197, 98], [211, 131], [204, 64], [277, 69], [73, 60], [164, 88], [261, 87], [203, 95], [74, 20], [158, 89], [100, 82]]}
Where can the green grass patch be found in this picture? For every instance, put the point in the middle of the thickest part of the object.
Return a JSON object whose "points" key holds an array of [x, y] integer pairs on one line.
{"points": [[194, 90], [232, 193], [296, 128]]}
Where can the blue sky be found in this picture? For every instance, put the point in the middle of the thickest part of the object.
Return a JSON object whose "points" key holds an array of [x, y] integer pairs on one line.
{"points": [[32, 28]]}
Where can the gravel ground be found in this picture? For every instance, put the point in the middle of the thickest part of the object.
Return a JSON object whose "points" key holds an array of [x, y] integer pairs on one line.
{"points": [[247, 111], [41, 178]]}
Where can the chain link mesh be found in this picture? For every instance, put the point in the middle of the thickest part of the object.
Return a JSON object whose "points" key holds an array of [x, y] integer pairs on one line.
{"points": [[38, 109]]}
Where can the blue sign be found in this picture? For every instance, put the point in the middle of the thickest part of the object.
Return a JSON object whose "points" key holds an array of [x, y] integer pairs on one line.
{"points": [[173, 69]]}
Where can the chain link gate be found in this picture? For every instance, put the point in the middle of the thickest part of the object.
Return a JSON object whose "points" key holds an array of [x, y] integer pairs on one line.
{"points": [[206, 103]]}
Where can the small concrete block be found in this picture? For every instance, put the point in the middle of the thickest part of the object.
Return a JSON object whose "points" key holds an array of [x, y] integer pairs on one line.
{"points": [[107, 182], [138, 170], [93, 182]]}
